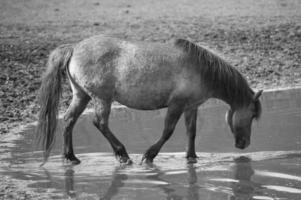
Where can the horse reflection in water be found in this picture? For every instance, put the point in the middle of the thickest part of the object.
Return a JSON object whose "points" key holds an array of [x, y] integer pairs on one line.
{"points": [[179, 76], [69, 182], [171, 189], [116, 183], [245, 188], [119, 177], [242, 169]]}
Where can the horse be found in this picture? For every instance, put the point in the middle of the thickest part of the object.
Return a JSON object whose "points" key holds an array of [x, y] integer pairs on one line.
{"points": [[178, 75]]}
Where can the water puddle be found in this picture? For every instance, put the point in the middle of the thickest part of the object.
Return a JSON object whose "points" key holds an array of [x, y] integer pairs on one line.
{"points": [[269, 169]]}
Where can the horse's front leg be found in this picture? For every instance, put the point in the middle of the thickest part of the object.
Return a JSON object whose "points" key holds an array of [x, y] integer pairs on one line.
{"points": [[190, 123], [101, 121], [173, 114]]}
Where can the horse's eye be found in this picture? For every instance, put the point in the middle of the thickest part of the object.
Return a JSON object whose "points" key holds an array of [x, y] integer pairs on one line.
{"points": [[254, 115]]}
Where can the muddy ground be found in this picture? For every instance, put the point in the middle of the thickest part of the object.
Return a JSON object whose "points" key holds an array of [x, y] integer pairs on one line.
{"points": [[260, 38]]}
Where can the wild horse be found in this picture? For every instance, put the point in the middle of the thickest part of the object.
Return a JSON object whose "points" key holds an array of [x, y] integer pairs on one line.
{"points": [[146, 76]]}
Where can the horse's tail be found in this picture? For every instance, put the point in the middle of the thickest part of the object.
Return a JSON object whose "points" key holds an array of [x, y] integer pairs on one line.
{"points": [[49, 96]]}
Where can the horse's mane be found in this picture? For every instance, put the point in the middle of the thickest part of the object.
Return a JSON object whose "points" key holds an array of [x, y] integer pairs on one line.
{"points": [[218, 75]]}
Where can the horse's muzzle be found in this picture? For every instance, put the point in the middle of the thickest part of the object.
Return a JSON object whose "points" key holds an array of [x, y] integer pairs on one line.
{"points": [[242, 144]]}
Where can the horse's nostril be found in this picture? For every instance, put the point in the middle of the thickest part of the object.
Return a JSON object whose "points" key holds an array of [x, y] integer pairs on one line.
{"points": [[241, 144]]}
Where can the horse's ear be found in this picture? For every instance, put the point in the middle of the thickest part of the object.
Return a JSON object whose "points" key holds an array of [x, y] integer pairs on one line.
{"points": [[257, 95]]}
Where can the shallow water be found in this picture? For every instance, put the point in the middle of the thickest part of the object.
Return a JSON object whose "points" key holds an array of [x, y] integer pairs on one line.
{"points": [[269, 169]]}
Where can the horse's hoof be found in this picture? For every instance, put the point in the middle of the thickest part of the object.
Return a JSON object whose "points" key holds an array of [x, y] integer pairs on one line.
{"points": [[191, 160], [149, 161], [125, 161], [72, 160], [128, 162], [75, 162], [146, 159]]}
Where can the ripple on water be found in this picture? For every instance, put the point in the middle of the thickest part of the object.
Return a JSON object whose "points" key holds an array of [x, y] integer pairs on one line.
{"points": [[283, 189], [277, 175], [263, 198]]}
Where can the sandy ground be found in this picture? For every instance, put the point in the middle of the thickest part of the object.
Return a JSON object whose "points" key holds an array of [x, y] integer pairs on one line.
{"points": [[260, 38]]}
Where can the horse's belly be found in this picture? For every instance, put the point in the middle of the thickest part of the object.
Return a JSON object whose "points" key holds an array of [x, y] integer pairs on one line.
{"points": [[143, 96]]}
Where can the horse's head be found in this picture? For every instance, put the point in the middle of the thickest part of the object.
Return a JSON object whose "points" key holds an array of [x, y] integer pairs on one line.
{"points": [[240, 121]]}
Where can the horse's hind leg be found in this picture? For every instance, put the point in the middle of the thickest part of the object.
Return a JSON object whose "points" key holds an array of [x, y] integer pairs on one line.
{"points": [[77, 106], [174, 112], [101, 121], [190, 122]]}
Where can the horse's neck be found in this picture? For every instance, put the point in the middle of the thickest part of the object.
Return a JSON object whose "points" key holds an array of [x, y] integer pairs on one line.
{"points": [[218, 94], [233, 100]]}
